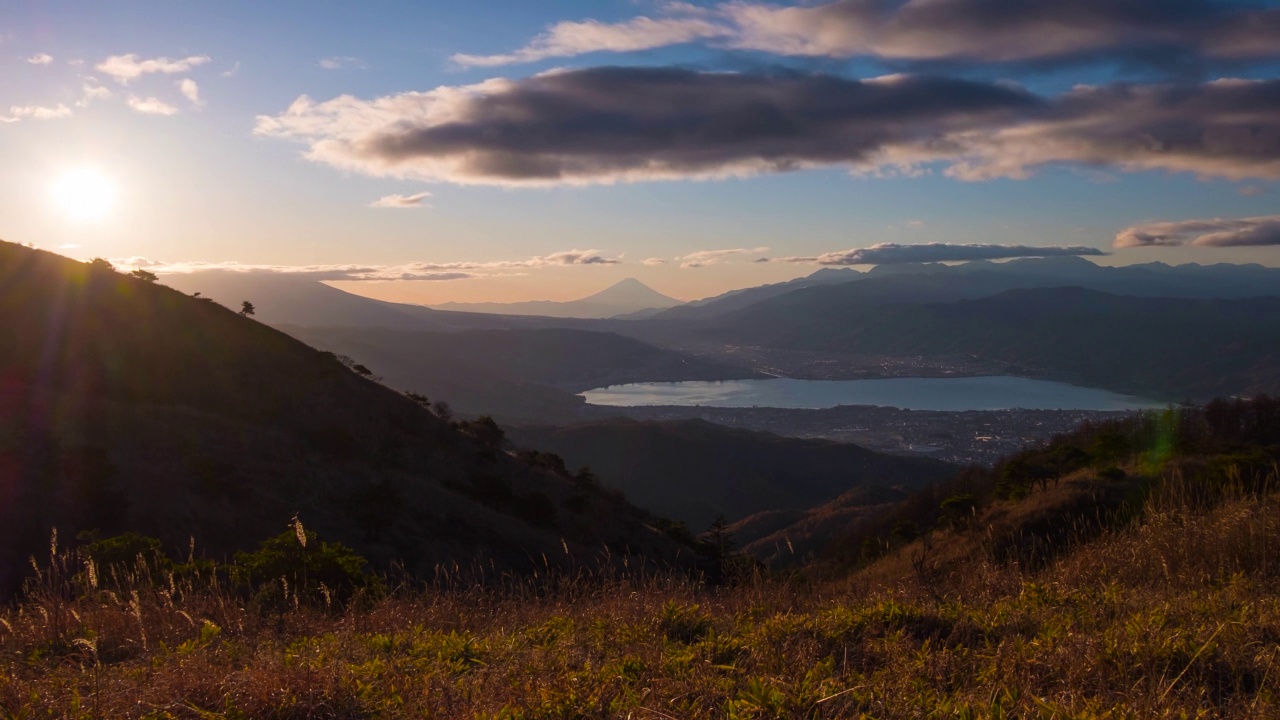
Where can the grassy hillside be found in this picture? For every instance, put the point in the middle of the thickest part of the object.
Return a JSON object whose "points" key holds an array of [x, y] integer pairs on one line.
{"points": [[130, 406], [1170, 609], [693, 471]]}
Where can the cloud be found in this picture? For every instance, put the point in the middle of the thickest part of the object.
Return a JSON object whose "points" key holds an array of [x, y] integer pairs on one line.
{"points": [[1010, 30], [573, 257], [416, 271], [40, 59], [703, 258], [231, 72], [653, 261], [575, 38], [1161, 32], [1251, 190], [35, 112], [400, 201], [1216, 232], [337, 63], [622, 124], [91, 91], [151, 106], [1225, 128], [410, 271], [124, 68], [191, 91], [895, 254], [607, 125]]}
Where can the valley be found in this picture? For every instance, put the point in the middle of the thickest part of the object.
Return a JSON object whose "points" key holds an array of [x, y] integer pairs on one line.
{"points": [[963, 438]]}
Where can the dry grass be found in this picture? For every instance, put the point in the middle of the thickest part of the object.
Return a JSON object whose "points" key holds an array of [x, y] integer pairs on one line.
{"points": [[1153, 592], [1176, 616]]}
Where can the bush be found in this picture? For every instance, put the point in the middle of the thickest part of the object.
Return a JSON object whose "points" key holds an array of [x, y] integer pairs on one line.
{"points": [[296, 566]]}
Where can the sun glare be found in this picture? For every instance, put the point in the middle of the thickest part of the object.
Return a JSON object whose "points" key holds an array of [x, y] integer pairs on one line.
{"points": [[84, 194]]}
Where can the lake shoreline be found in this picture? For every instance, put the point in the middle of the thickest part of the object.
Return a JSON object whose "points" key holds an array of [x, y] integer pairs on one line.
{"points": [[949, 394]]}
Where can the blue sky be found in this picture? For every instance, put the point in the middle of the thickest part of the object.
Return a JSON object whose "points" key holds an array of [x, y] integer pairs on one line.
{"points": [[193, 183]]}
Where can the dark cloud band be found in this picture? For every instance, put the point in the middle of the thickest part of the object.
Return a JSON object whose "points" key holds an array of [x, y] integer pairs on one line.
{"points": [[1170, 33], [606, 125], [1216, 232], [896, 254]]}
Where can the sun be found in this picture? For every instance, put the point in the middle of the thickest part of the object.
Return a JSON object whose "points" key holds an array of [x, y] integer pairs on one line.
{"points": [[84, 194]]}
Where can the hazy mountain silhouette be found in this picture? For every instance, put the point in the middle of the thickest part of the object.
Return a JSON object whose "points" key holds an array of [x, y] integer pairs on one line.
{"points": [[126, 405], [514, 375], [284, 299], [1163, 347], [737, 299], [693, 471], [622, 298], [281, 298], [937, 282]]}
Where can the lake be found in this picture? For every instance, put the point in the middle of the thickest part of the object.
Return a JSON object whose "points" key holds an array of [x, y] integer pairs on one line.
{"points": [[953, 394]]}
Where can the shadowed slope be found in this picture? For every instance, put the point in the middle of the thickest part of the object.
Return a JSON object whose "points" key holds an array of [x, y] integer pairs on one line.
{"points": [[127, 405]]}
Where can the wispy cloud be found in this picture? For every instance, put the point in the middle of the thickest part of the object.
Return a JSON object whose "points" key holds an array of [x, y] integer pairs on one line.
{"points": [[575, 38], [653, 261], [608, 125], [35, 112], [416, 271], [191, 91], [1214, 232], [91, 91], [40, 59], [401, 201], [338, 63], [896, 254], [703, 258], [151, 106], [125, 68]]}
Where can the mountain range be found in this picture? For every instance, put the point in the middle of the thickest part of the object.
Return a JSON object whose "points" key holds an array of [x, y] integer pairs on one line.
{"points": [[622, 298], [1168, 332]]}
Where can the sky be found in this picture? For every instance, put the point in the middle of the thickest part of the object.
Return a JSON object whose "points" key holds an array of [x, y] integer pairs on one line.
{"points": [[512, 150]]}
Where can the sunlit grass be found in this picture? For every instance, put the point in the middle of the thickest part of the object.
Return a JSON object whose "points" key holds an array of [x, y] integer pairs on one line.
{"points": [[1178, 616]]}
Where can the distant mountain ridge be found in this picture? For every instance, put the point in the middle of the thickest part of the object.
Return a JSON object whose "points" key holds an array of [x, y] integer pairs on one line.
{"points": [[622, 298], [936, 282], [1165, 348]]}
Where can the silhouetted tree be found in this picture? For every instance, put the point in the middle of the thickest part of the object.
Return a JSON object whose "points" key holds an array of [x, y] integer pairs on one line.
{"points": [[423, 401], [442, 410], [145, 276], [101, 264], [718, 540], [717, 544], [486, 431], [246, 309]]}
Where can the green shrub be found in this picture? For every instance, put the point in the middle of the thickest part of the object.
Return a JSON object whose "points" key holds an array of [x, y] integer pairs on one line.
{"points": [[297, 566]]}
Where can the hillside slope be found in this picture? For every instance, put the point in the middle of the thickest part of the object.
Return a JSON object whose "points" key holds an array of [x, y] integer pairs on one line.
{"points": [[518, 375], [129, 406], [693, 471]]}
